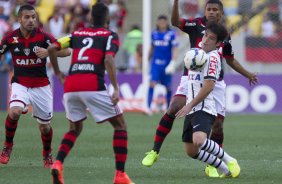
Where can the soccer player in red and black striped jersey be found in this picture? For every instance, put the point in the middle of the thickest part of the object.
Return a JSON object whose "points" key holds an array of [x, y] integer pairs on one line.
{"points": [[195, 28], [30, 84], [94, 49]]}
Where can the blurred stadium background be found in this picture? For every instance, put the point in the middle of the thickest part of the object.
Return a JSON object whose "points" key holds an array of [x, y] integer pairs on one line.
{"points": [[258, 46], [256, 38]]}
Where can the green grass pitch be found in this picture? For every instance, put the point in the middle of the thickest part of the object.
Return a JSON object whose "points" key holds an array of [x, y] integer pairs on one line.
{"points": [[255, 140]]}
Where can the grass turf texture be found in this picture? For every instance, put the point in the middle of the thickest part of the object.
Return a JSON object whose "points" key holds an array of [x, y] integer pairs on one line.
{"points": [[255, 140]]}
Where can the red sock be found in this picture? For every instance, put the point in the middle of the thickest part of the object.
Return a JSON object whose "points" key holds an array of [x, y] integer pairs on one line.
{"points": [[46, 141], [218, 136], [120, 148], [163, 130], [10, 127], [67, 143]]}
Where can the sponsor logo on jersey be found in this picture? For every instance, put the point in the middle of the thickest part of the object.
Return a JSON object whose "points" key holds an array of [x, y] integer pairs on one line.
{"points": [[35, 48], [16, 49], [48, 42], [190, 24], [167, 36], [28, 61], [194, 76], [212, 66], [87, 33], [82, 67], [26, 51], [161, 43], [15, 40]]}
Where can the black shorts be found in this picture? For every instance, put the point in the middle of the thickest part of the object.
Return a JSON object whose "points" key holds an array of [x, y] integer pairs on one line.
{"points": [[198, 121]]}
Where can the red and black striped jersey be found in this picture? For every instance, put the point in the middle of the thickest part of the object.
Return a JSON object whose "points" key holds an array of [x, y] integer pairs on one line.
{"points": [[29, 70], [90, 46], [195, 28]]}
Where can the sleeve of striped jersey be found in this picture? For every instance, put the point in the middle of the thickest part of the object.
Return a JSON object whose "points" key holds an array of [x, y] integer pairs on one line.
{"points": [[4, 46], [64, 42], [227, 50], [112, 44], [49, 39], [188, 25], [212, 67]]}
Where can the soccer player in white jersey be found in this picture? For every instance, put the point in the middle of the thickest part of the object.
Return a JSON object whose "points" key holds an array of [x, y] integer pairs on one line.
{"points": [[200, 110]]}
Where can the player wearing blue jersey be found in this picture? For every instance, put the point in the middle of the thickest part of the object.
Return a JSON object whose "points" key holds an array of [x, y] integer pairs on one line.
{"points": [[163, 51]]}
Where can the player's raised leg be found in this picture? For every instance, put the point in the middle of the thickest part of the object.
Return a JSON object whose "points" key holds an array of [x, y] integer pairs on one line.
{"points": [[163, 129]]}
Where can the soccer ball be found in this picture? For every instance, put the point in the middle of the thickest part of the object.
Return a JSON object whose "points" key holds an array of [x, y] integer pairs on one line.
{"points": [[195, 59]]}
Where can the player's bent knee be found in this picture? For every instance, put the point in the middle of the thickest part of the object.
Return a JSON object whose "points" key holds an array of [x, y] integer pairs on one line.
{"points": [[191, 150], [44, 128], [118, 123], [15, 113], [199, 139], [198, 143]]}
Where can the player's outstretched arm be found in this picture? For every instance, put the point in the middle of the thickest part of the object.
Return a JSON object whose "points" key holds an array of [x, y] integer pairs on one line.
{"points": [[111, 70], [235, 65], [175, 20], [64, 52], [52, 52], [203, 93]]}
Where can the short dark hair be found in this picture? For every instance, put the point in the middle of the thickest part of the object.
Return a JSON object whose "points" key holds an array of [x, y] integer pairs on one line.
{"points": [[99, 14], [218, 29], [164, 17], [215, 2], [25, 7]]}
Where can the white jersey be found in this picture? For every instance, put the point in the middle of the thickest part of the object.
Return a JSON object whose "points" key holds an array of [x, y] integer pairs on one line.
{"points": [[196, 79]]}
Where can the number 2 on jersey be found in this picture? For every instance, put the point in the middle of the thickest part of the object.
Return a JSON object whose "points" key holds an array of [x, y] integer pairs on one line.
{"points": [[88, 42]]}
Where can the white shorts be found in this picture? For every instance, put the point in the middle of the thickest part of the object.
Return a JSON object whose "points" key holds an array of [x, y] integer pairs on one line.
{"points": [[219, 97], [98, 103], [182, 88], [40, 98]]}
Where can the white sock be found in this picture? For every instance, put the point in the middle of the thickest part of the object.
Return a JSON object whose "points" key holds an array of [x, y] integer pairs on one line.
{"points": [[213, 148]]}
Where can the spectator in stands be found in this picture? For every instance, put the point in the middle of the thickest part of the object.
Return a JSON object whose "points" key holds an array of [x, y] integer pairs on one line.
{"points": [[121, 16], [189, 8], [14, 24], [2, 14], [267, 27], [56, 24], [132, 39], [114, 15], [230, 7], [4, 27], [7, 5], [78, 17]]}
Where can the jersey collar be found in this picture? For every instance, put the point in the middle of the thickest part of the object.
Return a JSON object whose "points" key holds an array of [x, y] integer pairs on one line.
{"points": [[32, 34]]}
